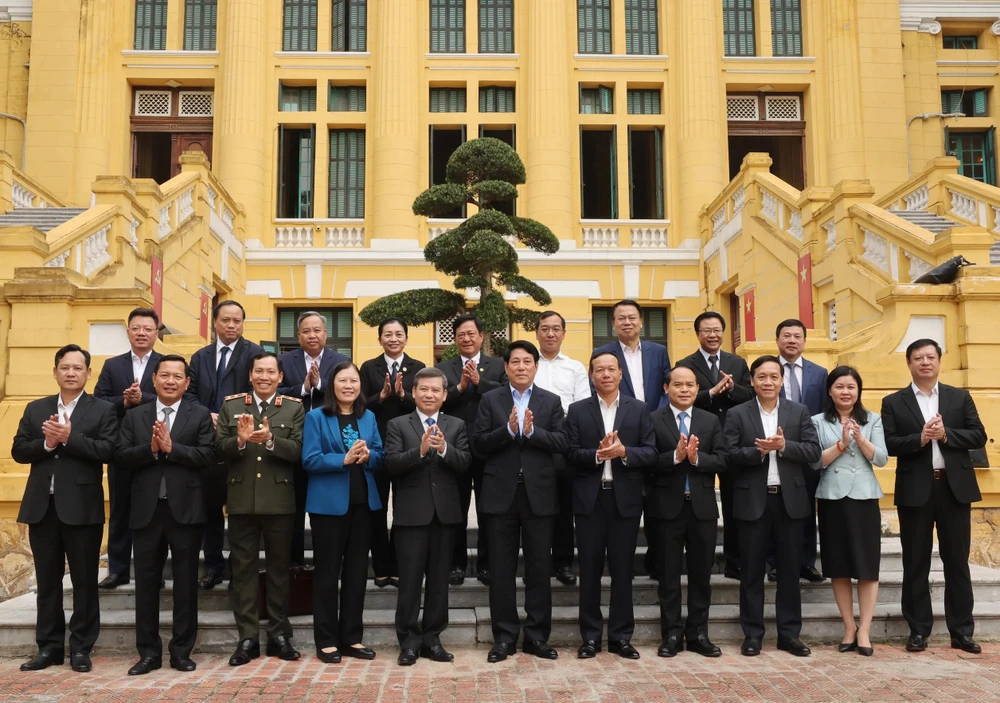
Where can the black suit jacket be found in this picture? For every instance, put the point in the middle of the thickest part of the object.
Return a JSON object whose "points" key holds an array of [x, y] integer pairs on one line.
{"points": [[187, 468], [237, 375], [903, 422], [585, 429], [294, 365], [116, 376], [466, 405], [373, 374], [741, 391], [506, 456], [743, 426], [78, 465], [425, 486], [667, 498]]}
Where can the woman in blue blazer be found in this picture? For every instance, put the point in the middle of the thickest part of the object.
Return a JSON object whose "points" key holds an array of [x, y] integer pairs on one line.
{"points": [[341, 448]]}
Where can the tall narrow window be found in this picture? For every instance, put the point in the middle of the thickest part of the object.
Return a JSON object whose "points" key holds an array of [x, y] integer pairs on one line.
{"points": [[443, 142], [448, 26], [299, 26], [347, 173], [506, 135], [593, 25], [200, 21], [972, 103], [151, 25], [496, 99], [347, 98], [296, 98], [496, 26], [738, 28], [597, 101], [296, 149], [643, 102], [599, 174], [976, 153], [641, 27], [350, 25], [447, 99], [786, 27], [645, 172]]}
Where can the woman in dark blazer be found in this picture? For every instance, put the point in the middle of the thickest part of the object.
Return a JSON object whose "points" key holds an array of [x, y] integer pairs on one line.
{"points": [[387, 385], [341, 450], [850, 522]]}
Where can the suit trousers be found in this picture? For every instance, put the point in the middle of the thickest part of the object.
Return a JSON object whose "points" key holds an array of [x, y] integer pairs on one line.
{"points": [[151, 544], [301, 481], [755, 535], [383, 539], [119, 534], [423, 551], [215, 531], [807, 555], [460, 550], [520, 526], [340, 551], [606, 532], [686, 536], [245, 533], [53, 543], [651, 562], [730, 535], [562, 536], [916, 533]]}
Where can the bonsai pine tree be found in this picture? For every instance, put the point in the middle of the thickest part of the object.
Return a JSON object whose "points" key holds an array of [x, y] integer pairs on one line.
{"points": [[478, 253]]}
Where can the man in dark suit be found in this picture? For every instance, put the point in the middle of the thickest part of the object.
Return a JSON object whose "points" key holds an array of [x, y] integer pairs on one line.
{"points": [[170, 445], [67, 438], [519, 427], [387, 385], [723, 382], [307, 370], [690, 443], [611, 442], [804, 382], [770, 445], [930, 427], [126, 381], [645, 366], [470, 375], [217, 371], [425, 451]]}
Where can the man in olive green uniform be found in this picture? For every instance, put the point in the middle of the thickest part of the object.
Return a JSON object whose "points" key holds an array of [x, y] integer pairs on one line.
{"points": [[259, 434]]}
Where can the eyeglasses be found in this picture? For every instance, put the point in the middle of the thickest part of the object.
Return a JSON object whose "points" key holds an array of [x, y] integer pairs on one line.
{"points": [[712, 332], [550, 330]]}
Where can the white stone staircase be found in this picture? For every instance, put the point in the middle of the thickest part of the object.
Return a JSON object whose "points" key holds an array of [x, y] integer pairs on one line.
{"points": [[41, 218]]}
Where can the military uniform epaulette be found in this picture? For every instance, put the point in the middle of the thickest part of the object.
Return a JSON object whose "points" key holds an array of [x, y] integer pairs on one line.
{"points": [[288, 397], [236, 395]]}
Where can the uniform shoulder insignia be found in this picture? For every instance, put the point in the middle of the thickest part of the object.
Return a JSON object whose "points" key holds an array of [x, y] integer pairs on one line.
{"points": [[294, 400], [235, 395]]}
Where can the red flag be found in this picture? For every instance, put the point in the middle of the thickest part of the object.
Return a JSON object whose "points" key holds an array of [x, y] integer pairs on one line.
{"points": [[206, 305], [156, 285], [749, 317], [804, 278]]}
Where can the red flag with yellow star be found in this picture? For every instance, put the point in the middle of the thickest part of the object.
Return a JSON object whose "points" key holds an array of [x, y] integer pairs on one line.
{"points": [[206, 310], [749, 317], [805, 281]]}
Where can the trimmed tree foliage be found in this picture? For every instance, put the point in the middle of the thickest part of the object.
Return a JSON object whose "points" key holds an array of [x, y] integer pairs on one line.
{"points": [[477, 253]]}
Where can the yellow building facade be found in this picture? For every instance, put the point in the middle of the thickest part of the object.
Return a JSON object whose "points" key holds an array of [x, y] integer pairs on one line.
{"points": [[764, 158]]}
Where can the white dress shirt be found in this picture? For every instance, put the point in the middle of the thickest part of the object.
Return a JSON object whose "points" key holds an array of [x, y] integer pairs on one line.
{"points": [[929, 408], [389, 361], [309, 364], [770, 422], [219, 346], [797, 370], [565, 377], [423, 422], [608, 413], [170, 425], [62, 411], [633, 360], [257, 401], [521, 401], [139, 365], [474, 359], [677, 413]]}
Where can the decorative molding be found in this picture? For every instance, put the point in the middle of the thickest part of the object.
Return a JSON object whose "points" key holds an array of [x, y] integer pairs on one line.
{"points": [[164, 227], [185, 206], [345, 236], [918, 199], [831, 321], [681, 289], [963, 206], [718, 220], [20, 196], [831, 234], [96, 250], [918, 267], [378, 287], [59, 260], [924, 327], [795, 225], [769, 205], [134, 234], [649, 238], [876, 250], [314, 280], [571, 289], [271, 288], [929, 27], [739, 200], [210, 195], [293, 237], [913, 14], [600, 237]]}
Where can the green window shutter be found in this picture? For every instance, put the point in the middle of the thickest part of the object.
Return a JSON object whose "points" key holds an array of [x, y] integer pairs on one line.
{"points": [[299, 25], [602, 324], [496, 26], [200, 23], [151, 25], [307, 159], [614, 173], [339, 34], [641, 27], [738, 27], [358, 25], [786, 27], [989, 157], [347, 98], [286, 324], [946, 101], [589, 101], [347, 173], [643, 102], [606, 97], [447, 26], [593, 21], [447, 100], [496, 99], [979, 103], [655, 325], [297, 99]]}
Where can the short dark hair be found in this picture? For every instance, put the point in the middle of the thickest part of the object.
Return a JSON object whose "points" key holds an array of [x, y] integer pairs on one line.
{"points": [[625, 302], [522, 344], [144, 312], [431, 372], [598, 355], [224, 304], [390, 320], [73, 348], [670, 374], [306, 314], [330, 406], [264, 355], [859, 414], [552, 313], [790, 322], [171, 357], [766, 358], [920, 344], [710, 315], [462, 319]]}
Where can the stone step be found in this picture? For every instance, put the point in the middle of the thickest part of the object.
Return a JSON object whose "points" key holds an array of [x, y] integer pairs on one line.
{"points": [[43, 219], [927, 220]]}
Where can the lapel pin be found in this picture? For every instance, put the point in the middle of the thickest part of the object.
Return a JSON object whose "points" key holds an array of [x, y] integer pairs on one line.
{"points": [[277, 403], [481, 369], [249, 399], [404, 369]]}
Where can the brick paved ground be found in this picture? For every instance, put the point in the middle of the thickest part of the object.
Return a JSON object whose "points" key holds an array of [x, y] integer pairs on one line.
{"points": [[939, 674]]}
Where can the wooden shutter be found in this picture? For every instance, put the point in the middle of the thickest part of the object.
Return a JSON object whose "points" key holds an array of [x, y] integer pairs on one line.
{"points": [[979, 103], [658, 154], [200, 22], [614, 173], [447, 100], [990, 157], [606, 98], [641, 27], [299, 25], [593, 18], [358, 25], [339, 34], [738, 27], [151, 25], [786, 27], [447, 26], [347, 173], [643, 102], [496, 26], [951, 101]]}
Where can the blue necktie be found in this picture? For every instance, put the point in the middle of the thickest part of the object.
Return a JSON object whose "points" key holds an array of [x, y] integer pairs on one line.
{"points": [[682, 426], [430, 421], [220, 373]]}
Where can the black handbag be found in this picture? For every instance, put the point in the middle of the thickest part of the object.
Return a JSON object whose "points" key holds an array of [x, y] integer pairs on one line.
{"points": [[946, 272]]}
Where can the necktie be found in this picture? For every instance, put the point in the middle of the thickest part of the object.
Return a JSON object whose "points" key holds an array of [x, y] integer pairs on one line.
{"points": [[430, 421], [263, 408], [395, 368], [794, 394], [220, 373], [714, 368], [167, 412], [683, 427]]}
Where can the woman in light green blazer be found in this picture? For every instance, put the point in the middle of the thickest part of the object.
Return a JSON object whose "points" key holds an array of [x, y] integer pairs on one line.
{"points": [[850, 522]]}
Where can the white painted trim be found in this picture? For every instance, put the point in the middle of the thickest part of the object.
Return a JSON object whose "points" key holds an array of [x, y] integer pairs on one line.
{"points": [[968, 63], [630, 271], [777, 71], [394, 244], [471, 68], [314, 280], [970, 74], [681, 289], [323, 68], [269, 287], [621, 57], [177, 67], [654, 69], [745, 289], [589, 289], [912, 13], [148, 53], [261, 256], [323, 54], [318, 220], [765, 59], [380, 287], [924, 327], [625, 222], [107, 338], [477, 56]]}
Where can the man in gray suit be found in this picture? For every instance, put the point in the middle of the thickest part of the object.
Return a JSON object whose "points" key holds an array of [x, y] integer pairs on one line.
{"points": [[425, 452]]}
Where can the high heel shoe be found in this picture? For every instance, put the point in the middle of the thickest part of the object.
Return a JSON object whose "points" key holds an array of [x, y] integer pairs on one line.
{"points": [[849, 646], [865, 651]]}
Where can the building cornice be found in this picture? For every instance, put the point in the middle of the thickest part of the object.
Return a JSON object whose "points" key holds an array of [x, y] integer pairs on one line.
{"points": [[925, 15]]}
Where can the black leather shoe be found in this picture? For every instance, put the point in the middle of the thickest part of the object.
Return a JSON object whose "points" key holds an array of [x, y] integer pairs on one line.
{"points": [[437, 653], [750, 647], [145, 665], [623, 649], [732, 573], [966, 644], [588, 650], [113, 581], [456, 577], [394, 581], [540, 649], [44, 660], [566, 576], [703, 646], [499, 652], [772, 574], [849, 646], [671, 647], [359, 653], [407, 657], [866, 651], [210, 580], [795, 647], [80, 661], [182, 664], [282, 648], [484, 576], [245, 651], [328, 657], [811, 574], [381, 581], [916, 643]]}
